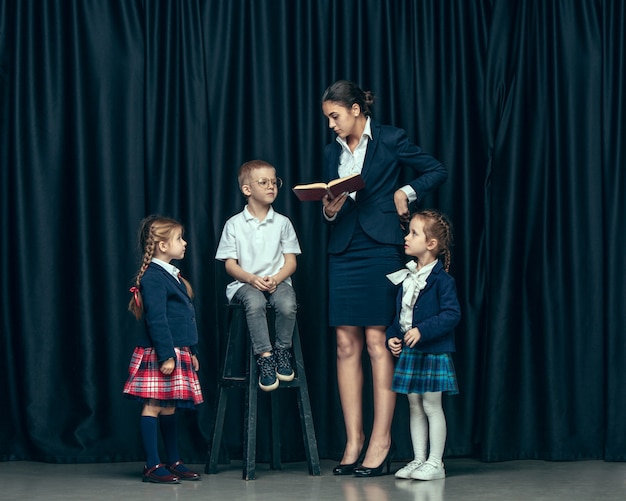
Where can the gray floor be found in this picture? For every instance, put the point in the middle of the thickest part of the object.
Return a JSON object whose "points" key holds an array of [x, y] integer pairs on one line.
{"points": [[467, 479]]}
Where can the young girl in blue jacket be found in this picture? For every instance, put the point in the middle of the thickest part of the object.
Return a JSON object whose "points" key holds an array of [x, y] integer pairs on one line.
{"points": [[422, 337], [162, 371]]}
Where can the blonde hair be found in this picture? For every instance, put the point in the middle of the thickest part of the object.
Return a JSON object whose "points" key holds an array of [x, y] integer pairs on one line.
{"points": [[152, 230], [438, 226], [246, 170]]}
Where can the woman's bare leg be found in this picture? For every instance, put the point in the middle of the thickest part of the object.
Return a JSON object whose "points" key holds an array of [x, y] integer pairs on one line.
{"points": [[350, 344], [384, 399]]}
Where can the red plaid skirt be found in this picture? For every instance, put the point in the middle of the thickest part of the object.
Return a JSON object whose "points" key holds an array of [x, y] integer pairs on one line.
{"points": [[147, 383]]}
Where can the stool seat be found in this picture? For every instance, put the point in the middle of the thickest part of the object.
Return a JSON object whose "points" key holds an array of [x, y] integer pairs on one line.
{"points": [[239, 371]]}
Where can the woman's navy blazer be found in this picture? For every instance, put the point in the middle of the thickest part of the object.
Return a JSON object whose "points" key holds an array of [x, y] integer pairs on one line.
{"points": [[388, 153]]}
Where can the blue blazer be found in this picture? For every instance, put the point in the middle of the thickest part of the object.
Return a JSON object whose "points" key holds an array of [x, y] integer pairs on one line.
{"points": [[436, 313], [169, 315], [388, 153]]}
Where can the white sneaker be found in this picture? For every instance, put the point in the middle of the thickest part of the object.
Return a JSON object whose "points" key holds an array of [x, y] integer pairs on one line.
{"points": [[429, 471], [405, 471]]}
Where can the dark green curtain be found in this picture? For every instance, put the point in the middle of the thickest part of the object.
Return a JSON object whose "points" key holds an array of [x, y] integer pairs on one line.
{"points": [[114, 109]]}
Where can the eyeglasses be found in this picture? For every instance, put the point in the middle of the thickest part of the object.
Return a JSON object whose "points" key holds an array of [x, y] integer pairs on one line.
{"points": [[264, 182]]}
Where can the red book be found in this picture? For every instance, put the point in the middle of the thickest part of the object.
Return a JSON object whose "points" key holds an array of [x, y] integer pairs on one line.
{"points": [[316, 191]]}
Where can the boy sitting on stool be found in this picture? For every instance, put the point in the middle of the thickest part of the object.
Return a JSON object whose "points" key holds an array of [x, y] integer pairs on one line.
{"points": [[259, 248]]}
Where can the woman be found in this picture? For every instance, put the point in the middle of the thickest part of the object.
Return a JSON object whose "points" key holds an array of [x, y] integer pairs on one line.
{"points": [[365, 245]]}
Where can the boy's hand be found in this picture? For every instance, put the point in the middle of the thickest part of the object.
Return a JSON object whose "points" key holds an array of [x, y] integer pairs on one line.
{"points": [[412, 337], [260, 283], [168, 366], [271, 284], [395, 346]]}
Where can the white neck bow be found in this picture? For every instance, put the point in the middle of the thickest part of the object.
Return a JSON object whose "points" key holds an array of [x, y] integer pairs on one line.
{"points": [[412, 280]]}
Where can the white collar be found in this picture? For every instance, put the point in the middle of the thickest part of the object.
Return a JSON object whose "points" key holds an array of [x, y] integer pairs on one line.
{"points": [[170, 268], [248, 215], [367, 132]]}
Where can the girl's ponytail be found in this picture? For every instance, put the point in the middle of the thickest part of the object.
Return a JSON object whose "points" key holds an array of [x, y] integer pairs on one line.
{"points": [[147, 244]]}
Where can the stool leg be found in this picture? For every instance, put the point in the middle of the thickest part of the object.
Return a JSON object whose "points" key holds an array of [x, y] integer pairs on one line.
{"points": [[211, 466], [304, 406], [249, 445], [275, 437], [274, 403]]}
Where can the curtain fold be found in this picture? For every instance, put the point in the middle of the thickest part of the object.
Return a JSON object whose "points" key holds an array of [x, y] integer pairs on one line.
{"points": [[112, 110], [613, 141]]}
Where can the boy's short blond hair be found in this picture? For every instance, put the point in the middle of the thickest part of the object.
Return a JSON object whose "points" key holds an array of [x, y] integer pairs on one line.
{"points": [[246, 170]]}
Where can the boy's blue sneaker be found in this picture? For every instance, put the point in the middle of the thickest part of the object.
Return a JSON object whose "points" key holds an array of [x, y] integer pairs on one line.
{"points": [[284, 371], [267, 373]]}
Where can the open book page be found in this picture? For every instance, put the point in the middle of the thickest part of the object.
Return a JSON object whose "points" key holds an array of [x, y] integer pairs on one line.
{"points": [[316, 191]]}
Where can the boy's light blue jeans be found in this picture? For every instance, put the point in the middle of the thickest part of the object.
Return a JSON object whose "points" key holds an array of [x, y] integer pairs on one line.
{"points": [[255, 303]]}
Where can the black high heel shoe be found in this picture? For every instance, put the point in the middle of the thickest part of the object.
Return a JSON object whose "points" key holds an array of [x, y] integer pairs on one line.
{"points": [[363, 471], [345, 469], [348, 469]]}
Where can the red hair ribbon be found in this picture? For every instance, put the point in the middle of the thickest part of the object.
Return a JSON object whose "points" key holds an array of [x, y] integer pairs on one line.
{"points": [[135, 292]]}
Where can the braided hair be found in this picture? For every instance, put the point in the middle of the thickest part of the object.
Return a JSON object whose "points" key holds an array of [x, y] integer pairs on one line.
{"points": [[438, 226], [152, 230]]}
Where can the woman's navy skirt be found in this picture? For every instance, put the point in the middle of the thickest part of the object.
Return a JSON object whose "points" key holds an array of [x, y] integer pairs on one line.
{"points": [[359, 292]]}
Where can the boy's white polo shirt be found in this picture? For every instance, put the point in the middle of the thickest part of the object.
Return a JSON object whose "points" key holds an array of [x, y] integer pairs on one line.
{"points": [[258, 246]]}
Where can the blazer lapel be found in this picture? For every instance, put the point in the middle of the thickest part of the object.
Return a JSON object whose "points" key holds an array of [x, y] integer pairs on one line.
{"points": [[371, 148], [433, 275], [180, 286]]}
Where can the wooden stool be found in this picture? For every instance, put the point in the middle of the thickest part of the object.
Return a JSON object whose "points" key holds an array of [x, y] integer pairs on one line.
{"points": [[237, 374]]}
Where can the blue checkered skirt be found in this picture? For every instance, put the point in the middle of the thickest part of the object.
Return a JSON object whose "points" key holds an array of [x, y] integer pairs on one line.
{"points": [[419, 372]]}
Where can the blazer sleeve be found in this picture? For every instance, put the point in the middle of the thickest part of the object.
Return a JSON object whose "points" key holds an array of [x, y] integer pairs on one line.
{"points": [[154, 293], [431, 171], [449, 314]]}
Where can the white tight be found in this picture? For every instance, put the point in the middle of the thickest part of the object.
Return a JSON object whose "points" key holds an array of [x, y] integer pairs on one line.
{"points": [[428, 423]]}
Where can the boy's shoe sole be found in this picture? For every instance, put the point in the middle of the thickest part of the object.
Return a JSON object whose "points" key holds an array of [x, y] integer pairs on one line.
{"points": [[270, 387], [286, 378]]}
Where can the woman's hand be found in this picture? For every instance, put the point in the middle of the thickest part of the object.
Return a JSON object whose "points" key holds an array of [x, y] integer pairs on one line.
{"points": [[402, 205], [168, 366], [333, 205], [412, 337]]}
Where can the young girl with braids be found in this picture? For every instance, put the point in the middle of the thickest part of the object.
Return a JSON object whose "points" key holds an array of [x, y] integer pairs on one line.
{"points": [[422, 337], [162, 371]]}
